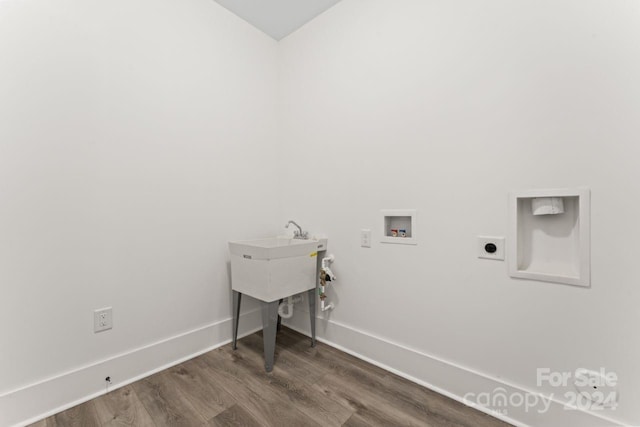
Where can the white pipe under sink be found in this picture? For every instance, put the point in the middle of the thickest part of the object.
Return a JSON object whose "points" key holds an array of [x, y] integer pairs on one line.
{"points": [[289, 305]]}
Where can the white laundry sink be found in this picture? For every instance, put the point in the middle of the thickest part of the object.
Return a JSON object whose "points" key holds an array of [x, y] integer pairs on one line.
{"points": [[273, 268]]}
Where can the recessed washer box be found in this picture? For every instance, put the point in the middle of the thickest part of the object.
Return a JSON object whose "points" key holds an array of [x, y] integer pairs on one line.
{"points": [[399, 226], [553, 246]]}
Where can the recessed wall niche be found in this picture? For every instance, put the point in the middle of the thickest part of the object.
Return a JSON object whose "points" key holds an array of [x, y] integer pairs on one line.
{"points": [[549, 235], [399, 226]]}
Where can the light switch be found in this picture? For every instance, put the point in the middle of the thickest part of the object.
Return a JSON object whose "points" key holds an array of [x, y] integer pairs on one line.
{"points": [[365, 238]]}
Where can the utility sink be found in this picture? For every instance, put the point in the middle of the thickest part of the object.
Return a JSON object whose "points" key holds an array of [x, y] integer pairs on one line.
{"points": [[274, 268]]}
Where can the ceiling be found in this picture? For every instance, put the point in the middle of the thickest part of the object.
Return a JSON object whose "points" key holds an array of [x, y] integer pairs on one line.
{"points": [[277, 18]]}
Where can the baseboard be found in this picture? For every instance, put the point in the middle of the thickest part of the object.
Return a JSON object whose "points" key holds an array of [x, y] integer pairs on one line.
{"points": [[49, 396], [450, 379], [36, 401]]}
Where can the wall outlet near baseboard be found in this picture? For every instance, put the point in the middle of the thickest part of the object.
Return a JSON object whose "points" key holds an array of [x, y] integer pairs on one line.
{"points": [[598, 388], [102, 319]]}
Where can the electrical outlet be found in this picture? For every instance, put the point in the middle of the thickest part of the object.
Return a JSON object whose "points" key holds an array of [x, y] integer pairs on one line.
{"points": [[102, 319], [491, 247], [365, 238]]}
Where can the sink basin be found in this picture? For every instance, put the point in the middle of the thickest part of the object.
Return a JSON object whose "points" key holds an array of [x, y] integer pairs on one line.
{"points": [[273, 248], [273, 268]]}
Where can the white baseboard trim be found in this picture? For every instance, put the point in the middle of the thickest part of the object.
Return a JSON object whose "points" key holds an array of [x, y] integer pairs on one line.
{"points": [[28, 404], [450, 379], [31, 403]]}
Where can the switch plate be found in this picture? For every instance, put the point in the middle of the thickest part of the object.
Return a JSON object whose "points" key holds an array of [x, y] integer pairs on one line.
{"points": [[483, 241], [365, 238], [102, 319]]}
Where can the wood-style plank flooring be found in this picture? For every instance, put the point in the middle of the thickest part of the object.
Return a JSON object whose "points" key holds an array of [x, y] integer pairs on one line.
{"points": [[308, 387]]}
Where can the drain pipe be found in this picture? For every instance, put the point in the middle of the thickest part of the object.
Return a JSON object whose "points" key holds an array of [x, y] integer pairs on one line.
{"points": [[289, 306]]}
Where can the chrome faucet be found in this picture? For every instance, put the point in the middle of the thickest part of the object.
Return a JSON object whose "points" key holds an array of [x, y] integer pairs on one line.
{"points": [[297, 234]]}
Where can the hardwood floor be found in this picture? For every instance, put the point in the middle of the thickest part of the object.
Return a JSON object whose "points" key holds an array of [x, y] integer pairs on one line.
{"points": [[308, 387]]}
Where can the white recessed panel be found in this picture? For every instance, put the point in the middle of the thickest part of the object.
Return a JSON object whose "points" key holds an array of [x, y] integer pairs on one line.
{"points": [[399, 226], [554, 246]]}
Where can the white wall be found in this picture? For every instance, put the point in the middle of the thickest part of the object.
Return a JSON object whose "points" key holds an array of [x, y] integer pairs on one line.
{"points": [[136, 139], [445, 107]]}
